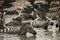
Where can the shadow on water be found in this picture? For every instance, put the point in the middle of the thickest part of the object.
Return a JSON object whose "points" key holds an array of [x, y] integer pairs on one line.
{"points": [[28, 38], [15, 37], [1, 37]]}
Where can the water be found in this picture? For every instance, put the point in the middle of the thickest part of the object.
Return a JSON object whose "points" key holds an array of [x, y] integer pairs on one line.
{"points": [[8, 18], [41, 34]]}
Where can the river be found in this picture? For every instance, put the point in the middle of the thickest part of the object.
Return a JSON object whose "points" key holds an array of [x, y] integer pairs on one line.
{"points": [[41, 34]]}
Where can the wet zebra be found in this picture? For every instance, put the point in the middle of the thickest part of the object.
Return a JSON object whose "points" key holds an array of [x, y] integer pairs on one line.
{"points": [[20, 30]]}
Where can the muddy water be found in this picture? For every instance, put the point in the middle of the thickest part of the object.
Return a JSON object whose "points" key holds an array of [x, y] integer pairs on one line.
{"points": [[41, 34]]}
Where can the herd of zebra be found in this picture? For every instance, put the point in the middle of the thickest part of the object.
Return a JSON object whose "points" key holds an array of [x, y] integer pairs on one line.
{"points": [[29, 16]]}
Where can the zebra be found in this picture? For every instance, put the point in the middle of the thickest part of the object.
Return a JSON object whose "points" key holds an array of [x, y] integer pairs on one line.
{"points": [[52, 25], [20, 30]]}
